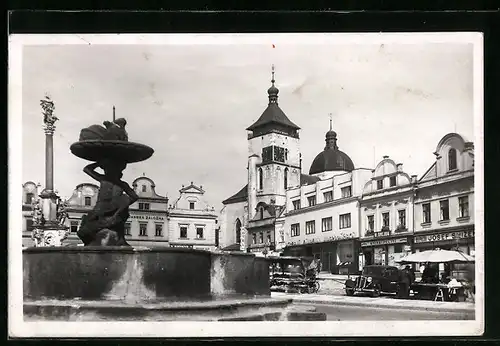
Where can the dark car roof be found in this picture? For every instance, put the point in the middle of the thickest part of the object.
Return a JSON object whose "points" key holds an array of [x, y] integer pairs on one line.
{"points": [[380, 266]]}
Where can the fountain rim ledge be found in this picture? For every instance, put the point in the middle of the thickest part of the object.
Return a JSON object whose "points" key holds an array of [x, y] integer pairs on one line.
{"points": [[127, 250]]}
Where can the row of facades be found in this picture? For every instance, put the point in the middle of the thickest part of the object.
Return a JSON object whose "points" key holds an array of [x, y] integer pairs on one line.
{"points": [[343, 215], [188, 222]]}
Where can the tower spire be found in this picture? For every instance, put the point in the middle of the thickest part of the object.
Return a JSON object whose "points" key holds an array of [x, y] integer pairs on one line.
{"points": [[273, 91], [330, 114], [114, 114]]}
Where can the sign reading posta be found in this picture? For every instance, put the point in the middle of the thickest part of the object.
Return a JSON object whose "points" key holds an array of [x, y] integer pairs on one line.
{"points": [[444, 236]]}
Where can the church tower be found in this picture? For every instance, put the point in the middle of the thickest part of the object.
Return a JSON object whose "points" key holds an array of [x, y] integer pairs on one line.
{"points": [[274, 155]]}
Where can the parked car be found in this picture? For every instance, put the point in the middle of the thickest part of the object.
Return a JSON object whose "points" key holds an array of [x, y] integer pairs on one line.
{"points": [[379, 279]]}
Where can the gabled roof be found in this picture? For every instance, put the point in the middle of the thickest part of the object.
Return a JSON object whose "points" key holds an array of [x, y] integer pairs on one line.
{"points": [[273, 115], [198, 189], [240, 196]]}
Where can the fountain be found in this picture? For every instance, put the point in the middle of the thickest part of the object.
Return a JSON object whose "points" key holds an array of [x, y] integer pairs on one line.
{"points": [[107, 279]]}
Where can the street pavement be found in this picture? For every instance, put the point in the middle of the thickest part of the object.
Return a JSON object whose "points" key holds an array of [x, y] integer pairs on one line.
{"points": [[359, 313]]}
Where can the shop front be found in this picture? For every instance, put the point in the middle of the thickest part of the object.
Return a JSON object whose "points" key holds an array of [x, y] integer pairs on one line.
{"points": [[336, 257], [384, 249], [461, 240]]}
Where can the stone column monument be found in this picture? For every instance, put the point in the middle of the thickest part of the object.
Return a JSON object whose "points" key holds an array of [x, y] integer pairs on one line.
{"points": [[48, 212]]}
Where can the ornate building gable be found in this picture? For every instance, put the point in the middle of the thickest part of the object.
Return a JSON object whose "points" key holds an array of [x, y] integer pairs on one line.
{"points": [[386, 177], [84, 196], [191, 199], [30, 192], [454, 154], [145, 188]]}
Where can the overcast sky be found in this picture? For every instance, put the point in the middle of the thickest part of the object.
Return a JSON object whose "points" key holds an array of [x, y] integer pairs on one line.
{"points": [[192, 103]]}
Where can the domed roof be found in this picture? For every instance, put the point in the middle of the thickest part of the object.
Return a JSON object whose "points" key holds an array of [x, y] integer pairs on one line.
{"points": [[331, 158]]}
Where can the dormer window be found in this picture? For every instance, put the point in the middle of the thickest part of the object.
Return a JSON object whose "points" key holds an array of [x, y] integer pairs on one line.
{"points": [[452, 159], [261, 210], [88, 201], [191, 205], [392, 181], [143, 188], [29, 198], [380, 184]]}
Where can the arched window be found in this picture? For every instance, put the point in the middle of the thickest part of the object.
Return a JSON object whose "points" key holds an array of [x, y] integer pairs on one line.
{"points": [[452, 159], [261, 179], [286, 178], [238, 231], [261, 212]]}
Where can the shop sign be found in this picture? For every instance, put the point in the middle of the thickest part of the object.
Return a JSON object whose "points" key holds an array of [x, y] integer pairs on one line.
{"points": [[444, 236], [341, 236], [147, 217], [185, 246], [384, 242], [380, 234], [407, 248]]}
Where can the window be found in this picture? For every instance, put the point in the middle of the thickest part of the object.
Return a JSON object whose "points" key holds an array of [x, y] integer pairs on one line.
{"points": [[285, 178], [392, 181], [268, 237], [158, 230], [463, 206], [385, 220], [295, 230], [88, 201], [311, 201], [261, 179], [261, 237], [346, 192], [296, 204], [328, 196], [29, 225], [326, 224], [452, 159], [143, 206], [29, 198], [426, 209], [445, 210], [254, 238], [199, 232], [345, 221], [261, 211], [191, 205], [184, 232], [74, 226], [127, 228], [380, 184], [238, 231], [310, 227], [371, 222], [402, 218], [143, 229], [143, 188]]}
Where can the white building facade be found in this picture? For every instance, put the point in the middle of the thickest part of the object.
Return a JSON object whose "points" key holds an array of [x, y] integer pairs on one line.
{"points": [[387, 211]]}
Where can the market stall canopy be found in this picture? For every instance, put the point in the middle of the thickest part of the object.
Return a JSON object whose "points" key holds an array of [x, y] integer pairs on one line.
{"points": [[437, 256]]}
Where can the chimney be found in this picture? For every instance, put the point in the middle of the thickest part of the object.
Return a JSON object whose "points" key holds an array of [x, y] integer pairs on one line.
{"points": [[399, 167], [413, 178], [385, 157]]}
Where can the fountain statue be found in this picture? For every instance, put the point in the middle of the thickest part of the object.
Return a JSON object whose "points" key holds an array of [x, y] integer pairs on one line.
{"points": [[109, 148]]}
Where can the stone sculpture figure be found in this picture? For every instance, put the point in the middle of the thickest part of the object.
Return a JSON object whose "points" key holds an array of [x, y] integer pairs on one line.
{"points": [[111, 151]]}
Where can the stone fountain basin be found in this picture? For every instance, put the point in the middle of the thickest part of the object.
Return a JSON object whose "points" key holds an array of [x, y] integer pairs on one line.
{"points": [[76, 283], [140, 274]]}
